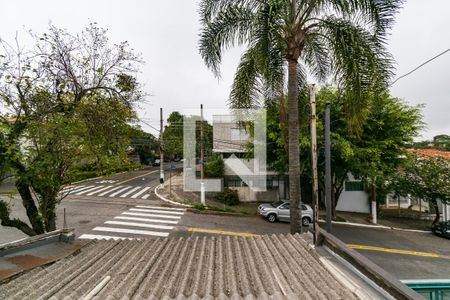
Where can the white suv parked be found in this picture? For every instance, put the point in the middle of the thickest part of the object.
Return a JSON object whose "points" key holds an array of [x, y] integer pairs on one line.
{"points": [[279, 211]]}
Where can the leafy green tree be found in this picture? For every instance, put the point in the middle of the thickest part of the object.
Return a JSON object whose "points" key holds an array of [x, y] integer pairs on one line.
{"points": [[215, 167], [374, 154], [146, 144], [427, 178], [67, 99], [342, 39], [173, 136]]}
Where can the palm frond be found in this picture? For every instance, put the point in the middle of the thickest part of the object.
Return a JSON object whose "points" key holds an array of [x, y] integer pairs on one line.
{"points": [[316, 56], [229, 26], [360, 62], [380, 14], [246, 88]]}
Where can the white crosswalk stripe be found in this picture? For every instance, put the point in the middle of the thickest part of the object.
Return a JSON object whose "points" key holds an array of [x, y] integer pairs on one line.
{"points": [[160, 207], [140, 192], [157, 211], [98, 191], [80, 189], [134, 224], [112, 190], [129, 192], [119, 191], [146, 220], [151, 215], [109, 191], [132, 231], [89, 190]]}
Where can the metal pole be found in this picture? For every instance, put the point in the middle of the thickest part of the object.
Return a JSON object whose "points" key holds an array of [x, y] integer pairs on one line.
{"points": [[328, 166], [64, 222], [170, 178], [161, 151], [202, 158], [312, 95]]}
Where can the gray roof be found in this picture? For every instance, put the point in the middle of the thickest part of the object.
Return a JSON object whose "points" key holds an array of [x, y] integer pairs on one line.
{"points": [[271, 267]]}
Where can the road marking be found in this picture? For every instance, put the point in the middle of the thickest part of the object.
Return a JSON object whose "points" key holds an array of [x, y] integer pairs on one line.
{"points": [[98, 191], [223, 232], [146, 220], [113, 189], [119, 191], [132, 231], [89, 190], [140, 192], [157, 211], [396, 251], [130, 191], [72, 188], [143, 175], [80, 189], [160, 207], [104, 237], [140, 225], [151, 215], [146, 196]]}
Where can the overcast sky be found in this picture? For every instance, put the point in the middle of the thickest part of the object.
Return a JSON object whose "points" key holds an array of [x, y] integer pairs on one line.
{"points": [[166, 33]]}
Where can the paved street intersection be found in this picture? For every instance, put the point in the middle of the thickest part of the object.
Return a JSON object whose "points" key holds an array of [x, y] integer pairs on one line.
{"points": [[138, 222]]}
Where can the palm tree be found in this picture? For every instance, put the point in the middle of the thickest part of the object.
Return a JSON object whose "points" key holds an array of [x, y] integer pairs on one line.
{"points": [[338, 40]]}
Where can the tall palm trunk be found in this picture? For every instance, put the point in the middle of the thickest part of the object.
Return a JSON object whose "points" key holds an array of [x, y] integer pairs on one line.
{"points": [[294, 151]]}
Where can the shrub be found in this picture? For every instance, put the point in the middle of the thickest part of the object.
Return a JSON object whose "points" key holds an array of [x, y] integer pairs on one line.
{"points": [[214, 168], [228, 197], [198, 205]]}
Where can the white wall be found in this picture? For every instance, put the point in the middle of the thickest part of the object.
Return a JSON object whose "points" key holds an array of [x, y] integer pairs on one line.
{"points": [[353, 201]]}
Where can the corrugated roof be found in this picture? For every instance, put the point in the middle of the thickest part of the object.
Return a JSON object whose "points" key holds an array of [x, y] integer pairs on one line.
{"points": [[270, 267]]}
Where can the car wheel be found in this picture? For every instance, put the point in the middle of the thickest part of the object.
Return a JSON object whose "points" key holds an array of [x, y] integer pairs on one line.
{"points": [[305, 221], [271, 218]]}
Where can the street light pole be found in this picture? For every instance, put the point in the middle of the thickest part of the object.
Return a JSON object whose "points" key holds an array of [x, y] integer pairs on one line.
{"points": [[161, 150]]}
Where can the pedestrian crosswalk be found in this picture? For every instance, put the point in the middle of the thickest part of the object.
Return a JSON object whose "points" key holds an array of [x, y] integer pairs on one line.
{"points": [[139, 222], [119, 191]]}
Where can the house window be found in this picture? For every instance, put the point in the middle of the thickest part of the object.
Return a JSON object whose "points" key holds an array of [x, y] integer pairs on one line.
{"points": [[351, 186], [232, 182]]}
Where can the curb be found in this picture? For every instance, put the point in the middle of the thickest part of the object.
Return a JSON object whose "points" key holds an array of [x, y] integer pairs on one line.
{"points": [[167, 200], [376, 226]]}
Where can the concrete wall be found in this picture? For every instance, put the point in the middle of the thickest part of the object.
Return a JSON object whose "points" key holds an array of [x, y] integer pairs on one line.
{"points": [[248, 195], [353, 201]]}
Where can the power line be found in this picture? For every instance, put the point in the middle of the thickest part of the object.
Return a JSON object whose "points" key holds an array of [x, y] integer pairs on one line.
{"points": [[420, 66]]}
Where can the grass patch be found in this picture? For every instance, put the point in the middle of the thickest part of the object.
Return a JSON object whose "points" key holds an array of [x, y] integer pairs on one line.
{"points": [[198, 205]]}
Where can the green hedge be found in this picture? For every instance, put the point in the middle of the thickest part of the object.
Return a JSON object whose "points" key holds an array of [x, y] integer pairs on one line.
{"points": [[228, 197]]}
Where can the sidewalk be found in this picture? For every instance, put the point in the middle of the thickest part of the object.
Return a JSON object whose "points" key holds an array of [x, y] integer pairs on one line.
{"points": [[404, 223]]}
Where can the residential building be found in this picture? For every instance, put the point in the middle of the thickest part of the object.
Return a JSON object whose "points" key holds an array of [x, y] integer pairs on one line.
{"points": [[230, 141]]}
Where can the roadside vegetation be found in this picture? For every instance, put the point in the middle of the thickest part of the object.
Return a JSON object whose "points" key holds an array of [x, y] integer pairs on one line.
{"points": [[70, 102], [286, 40]]}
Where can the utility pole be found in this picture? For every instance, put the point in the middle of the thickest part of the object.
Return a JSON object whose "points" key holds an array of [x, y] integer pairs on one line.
{"points": [[328, 166], [312, 95], [170, 177], [202, 158], [161, 150]]}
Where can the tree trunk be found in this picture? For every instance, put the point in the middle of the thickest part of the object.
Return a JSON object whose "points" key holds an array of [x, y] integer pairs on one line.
{"points": [[438, 214], [294, 151], [30, 206]]}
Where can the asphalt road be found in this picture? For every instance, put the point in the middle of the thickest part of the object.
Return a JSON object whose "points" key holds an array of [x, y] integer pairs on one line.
{"points": [[125, 206]]}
